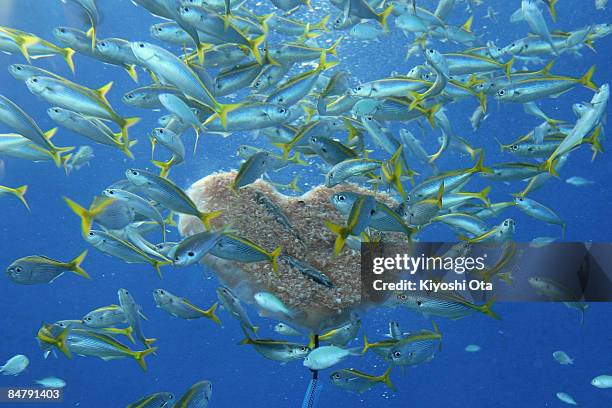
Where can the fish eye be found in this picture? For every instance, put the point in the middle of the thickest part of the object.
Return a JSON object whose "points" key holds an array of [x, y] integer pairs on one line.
{"points": [[111, 192], [18, 68], [91, 234], [62, 30], [134, 173], [282, 110], [369, 118], [190, 253], [141, 45], [341, 198], [501, 92], [397, 354], [129, 96], [281, 99], [88, 319], [513, 45], [161, 291], [160, 131], [514, 147], [403, 296], [34, 79], [18, 269], [303, 348], [337, 375], [186, 9], [102, 44]]}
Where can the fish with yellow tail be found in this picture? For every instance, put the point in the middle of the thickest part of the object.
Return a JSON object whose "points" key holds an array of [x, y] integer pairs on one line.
{"points": [[18, 192], [36, 269], [168, 194], [239, 249], [358, 220], [183, 308], [355, 380]]}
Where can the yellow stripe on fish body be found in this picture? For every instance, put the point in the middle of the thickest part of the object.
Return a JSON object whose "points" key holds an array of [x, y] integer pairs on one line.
{"points": [[257, 253], [461, 63]]}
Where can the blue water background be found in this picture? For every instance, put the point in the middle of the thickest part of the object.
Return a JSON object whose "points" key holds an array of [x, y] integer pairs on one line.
{"points": [[514, 368]]}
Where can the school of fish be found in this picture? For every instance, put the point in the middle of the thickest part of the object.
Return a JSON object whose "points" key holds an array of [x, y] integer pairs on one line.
{"points": [[224, 69]]}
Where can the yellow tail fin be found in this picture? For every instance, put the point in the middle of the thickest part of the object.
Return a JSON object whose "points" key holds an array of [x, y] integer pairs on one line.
{"points": [[294, 184], [91, 33], [254, 47], [87, 216], [333, 49], [508, 68], [210, 313], [274, 258], [549, 166], [139, 356], [321, 25], [128, 334], [440, 194], [479, 166], [486, 309], [75, 265], [594, 141], [125, 148], [60, 342], [125, 125], [18, 192], [206, 217], [483, 196], [366, 345], [157, 264], [467, 26], [68, 53], [586, 79], [341, 235], [552, 10], [382, 17], [164, 166], [131, 70], [387, 380]]}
